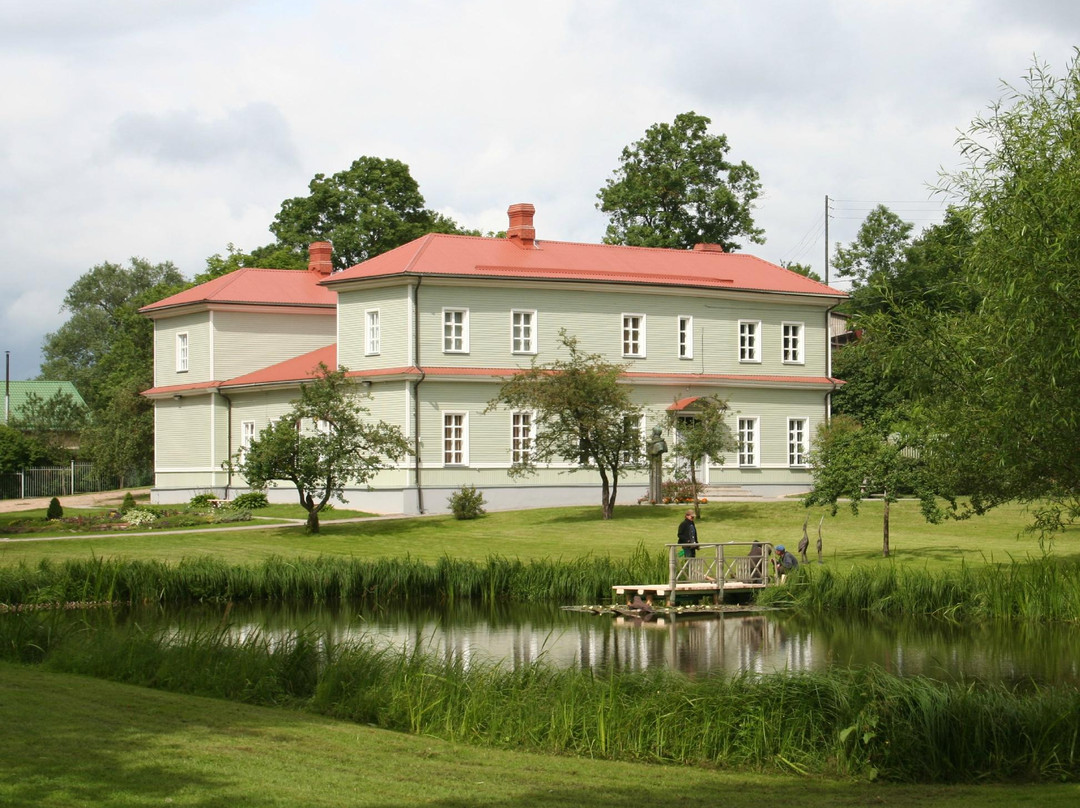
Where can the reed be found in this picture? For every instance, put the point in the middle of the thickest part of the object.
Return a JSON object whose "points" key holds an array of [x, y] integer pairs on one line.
{"points": [[844, 723], [1040, 590], [325, 579]]}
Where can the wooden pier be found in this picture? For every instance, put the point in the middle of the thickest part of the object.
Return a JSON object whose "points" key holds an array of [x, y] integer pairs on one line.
{"points": [[715, 570]]}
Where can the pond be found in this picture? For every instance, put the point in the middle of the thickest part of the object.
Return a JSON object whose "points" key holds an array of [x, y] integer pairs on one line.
{"points": [[763, 642]]}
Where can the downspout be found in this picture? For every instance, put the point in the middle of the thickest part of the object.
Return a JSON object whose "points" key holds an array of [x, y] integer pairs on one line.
{"points": [[228, 441], [416, 393]]}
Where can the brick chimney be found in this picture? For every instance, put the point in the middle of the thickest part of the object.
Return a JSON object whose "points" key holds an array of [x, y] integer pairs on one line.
{"points": [[521, 230], [320, 258], [716, 248]]}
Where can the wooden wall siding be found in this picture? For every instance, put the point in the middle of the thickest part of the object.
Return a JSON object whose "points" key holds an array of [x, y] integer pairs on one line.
{"points": [[246, 341], [393, 304], [390, 402], [595, 318], [197, 326], [182, 434]]}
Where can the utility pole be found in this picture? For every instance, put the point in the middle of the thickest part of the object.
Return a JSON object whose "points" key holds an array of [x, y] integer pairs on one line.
{"points": [[826, 239], [7, 386]]}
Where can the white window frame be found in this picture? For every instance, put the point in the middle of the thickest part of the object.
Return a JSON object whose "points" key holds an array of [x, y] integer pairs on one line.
{"points": [[523, 331], [633, 335], [183, 352], [792, 343], [750, 341], [798, 441], [247, 437], [685, 337], [455, 442], [455, 334], [372, 332], [522, 435], [749, 432]]}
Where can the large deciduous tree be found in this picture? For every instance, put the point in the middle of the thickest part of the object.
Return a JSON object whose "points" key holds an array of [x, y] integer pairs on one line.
{"points": [[1000, 383], [105, 341], [702, 432], [676, 188], [321, 445], [371, 207], [877, 249], [584, 415]]}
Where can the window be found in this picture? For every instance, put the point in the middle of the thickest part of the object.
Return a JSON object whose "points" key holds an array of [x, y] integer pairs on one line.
{"points": [[633, 335], [686, 338], [749, 337], [636, 425], [748, 441], [523, 332], [796, 441], [372, 332], [455, 330], [455, 436], [182, 352], [521, 437], [247, 436], [792, 343]]}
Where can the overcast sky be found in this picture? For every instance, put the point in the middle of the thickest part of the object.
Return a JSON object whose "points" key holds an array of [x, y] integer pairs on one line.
{"points": [[167, 130]]}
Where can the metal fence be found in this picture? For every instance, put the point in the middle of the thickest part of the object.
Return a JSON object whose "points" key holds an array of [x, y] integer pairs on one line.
{"points": [[59, 481]]}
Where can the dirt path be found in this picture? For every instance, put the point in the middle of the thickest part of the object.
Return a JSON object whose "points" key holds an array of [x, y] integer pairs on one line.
{"points": [[100, 499]]}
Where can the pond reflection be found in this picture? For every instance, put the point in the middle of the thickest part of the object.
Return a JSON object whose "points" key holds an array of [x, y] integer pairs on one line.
{"points": [[517, 634]]}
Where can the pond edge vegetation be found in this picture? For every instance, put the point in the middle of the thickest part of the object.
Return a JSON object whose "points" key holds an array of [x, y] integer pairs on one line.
{"points": [[867, 723]]}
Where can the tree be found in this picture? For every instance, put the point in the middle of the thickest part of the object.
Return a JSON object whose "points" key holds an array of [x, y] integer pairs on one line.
{"points": [[802, 269], [878, 248], [120, 440], [676, 188], [999, 382], [19, 451], [52, 421], [373, 206], [583, 413], [270, 256], [852, 461], [704, 433], [321, 445], [105, 341]]}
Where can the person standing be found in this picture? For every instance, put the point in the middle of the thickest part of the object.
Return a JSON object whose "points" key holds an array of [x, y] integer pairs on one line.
{"points": [[688, 535]]}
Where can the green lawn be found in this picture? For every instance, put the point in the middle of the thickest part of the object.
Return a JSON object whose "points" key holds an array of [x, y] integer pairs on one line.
{"points": [[68, 742], [575, 532]]}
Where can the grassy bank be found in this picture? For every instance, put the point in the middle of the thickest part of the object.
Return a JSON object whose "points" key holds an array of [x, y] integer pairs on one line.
{"points": [[72, 742], [840, 724], [1044, 589], [577, 532]]}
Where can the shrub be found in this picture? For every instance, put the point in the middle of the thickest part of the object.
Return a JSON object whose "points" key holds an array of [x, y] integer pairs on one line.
{"points": [[678, 491], [250, 501], [55, 511], [128, 503], [203, 500], [467, 503], [140, 517]]}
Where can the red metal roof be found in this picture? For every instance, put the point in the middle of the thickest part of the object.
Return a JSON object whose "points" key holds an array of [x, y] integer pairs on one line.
{"points": [[473, 256], [682, 404], [273, 287]]}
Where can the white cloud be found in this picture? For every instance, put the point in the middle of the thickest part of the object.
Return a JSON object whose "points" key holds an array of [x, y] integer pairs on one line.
{"points": [[167, 130]]}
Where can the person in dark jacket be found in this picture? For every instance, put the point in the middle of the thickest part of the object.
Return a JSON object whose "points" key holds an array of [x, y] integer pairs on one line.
{"points": [[785, 562], [688, 535]]}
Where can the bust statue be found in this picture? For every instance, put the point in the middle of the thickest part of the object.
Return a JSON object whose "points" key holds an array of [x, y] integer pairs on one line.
{"points": [[657, 444]]}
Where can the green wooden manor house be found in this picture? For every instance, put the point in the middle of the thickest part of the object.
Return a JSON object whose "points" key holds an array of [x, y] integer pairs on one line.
{"points": [[430, 329]]}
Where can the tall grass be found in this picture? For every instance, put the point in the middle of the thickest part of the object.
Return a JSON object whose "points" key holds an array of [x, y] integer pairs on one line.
{"points": [[849, 723], [1039, 590], [327, 579]]}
